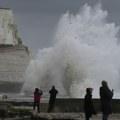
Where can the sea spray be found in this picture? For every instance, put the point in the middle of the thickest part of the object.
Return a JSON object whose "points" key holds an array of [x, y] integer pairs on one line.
{"points": [[85, 51]]}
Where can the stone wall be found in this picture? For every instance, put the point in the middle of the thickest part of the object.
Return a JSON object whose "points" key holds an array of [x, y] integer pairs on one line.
{"points": [[67, 105]]}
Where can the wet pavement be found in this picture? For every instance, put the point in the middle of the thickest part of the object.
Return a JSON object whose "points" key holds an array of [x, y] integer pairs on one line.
{"points": [[74, 116]]}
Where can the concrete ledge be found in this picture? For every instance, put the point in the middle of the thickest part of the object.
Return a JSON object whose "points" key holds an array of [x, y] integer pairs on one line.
{"points": [[57, 116], [76, 105], [70, 116], [69, 105]]}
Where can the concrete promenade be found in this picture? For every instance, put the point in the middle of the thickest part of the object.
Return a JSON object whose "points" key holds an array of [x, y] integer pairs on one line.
{"points": [[68, 109], [73, 116]]}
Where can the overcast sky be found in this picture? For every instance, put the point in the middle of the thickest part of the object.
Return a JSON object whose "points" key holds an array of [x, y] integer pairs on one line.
{"points": [[37, 19]]}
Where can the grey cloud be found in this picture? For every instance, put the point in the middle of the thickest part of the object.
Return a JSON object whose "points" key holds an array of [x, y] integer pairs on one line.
{"points": [[37, 19]]}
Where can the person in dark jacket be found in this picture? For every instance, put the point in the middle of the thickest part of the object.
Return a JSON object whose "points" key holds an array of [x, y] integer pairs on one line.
{"points": [[105, 97], [53, 92], [37, 97], [88, 104]]}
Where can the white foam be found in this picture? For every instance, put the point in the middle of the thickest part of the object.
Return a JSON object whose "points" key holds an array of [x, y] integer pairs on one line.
{"points": [[85, 51]]}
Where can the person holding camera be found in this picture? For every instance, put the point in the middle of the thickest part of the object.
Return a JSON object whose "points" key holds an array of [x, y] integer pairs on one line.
{"points": [[37, 96], [53, 92], [105, 97]]}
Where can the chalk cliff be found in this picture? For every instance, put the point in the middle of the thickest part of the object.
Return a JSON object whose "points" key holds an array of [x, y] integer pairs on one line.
{"points": [[14, 56]]}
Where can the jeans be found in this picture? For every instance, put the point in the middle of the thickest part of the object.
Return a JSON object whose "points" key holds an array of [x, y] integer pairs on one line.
{"points": [[38, 105]]}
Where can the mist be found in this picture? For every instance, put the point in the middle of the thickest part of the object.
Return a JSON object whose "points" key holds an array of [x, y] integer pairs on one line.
{"points": [[84, 52]]}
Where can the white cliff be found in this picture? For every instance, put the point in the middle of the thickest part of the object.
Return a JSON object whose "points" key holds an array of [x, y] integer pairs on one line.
{"points": [[8, 29], [14, 56]]}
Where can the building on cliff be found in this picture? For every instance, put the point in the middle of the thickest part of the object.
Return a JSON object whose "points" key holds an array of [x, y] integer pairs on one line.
{"points": [[14, 56]]}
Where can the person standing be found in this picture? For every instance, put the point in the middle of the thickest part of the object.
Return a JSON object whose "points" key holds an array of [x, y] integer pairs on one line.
{"points": [[37, 97], [53, 92], [88, 104], [105, 97]]}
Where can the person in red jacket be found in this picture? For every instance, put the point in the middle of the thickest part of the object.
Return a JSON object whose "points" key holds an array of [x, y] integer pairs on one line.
{"points": [[37, 97]]}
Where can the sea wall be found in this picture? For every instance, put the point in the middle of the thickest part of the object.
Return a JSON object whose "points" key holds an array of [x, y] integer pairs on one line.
{"points": [[76, 105], [69, 105]]}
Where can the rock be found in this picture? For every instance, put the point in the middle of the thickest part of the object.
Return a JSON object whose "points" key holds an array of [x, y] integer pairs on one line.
{"points": [[14, 56]]}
